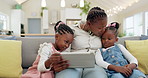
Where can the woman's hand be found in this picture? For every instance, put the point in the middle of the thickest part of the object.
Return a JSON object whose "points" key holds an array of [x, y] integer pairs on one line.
{"points": [[59, 66]]}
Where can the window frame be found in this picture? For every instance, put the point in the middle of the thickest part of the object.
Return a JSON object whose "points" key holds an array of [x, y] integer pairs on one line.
{"points": [[144, 28], [5, 20]]}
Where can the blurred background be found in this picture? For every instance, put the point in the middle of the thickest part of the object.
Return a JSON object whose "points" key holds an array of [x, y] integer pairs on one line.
{"points": [[24, 17]]}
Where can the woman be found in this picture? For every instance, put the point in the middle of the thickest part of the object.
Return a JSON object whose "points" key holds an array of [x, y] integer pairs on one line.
{"points": [[87, 39]]}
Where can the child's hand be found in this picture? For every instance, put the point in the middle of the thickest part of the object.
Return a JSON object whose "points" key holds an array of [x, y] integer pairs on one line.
{"points": [[131, 66], [124, 70], [54, 58], [57, 67]]}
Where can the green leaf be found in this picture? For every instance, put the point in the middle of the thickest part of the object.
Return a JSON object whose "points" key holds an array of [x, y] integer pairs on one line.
{"points": [[85, 9]]}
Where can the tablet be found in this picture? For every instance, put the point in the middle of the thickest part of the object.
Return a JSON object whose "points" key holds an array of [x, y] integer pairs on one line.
{"points": [[79, 59]]}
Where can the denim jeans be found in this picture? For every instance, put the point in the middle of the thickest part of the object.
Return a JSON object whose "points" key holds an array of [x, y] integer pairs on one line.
{"points": [[136, 74], [96, 72]]}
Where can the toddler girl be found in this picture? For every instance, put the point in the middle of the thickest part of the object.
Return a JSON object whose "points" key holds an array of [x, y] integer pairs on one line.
{"points": [[117, 61], [49, 59]]}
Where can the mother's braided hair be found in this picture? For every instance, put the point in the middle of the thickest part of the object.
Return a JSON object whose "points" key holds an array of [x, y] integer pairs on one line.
{"points": [[95, 14]]}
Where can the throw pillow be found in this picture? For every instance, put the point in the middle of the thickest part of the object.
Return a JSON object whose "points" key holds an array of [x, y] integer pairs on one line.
{"points": [[139, 49], [10, 58], [143, 37]]}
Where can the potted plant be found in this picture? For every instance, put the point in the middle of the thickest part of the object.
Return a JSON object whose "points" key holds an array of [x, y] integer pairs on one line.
{"points": [[43, 8], [122, 34], [85, 9]]}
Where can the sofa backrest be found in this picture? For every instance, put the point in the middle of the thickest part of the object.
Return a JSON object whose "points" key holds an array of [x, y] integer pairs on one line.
{"points": [[122, 39], [30, 46]]}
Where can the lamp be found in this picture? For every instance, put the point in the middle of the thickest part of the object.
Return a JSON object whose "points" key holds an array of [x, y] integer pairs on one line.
{"points": [[43, 3], [81, 3], [62, 3]]}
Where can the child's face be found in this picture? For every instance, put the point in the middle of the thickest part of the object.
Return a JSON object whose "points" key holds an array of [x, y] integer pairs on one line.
{"points": [[63, 41], [108, 39], [98, 27]]}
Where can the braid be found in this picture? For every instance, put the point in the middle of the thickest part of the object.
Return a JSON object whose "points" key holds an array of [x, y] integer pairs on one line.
{"points": [[63, 29], [96, 8], [96, 13]]}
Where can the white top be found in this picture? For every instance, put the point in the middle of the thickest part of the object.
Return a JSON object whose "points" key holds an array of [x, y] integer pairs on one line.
{"points": [[126, 53], [45, 51], [83, 42]]}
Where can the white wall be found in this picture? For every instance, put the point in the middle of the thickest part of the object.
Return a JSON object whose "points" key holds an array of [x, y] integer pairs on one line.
{"points": [[5, 8], [32, 9]]}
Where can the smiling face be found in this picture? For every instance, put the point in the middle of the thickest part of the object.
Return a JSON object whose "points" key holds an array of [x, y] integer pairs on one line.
{"points": [[98, 27], [108, 39], [63, 41]]}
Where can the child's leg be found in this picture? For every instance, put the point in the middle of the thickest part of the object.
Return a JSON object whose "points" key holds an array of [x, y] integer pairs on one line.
{"points": [[96, 72], [69, 73], [136, 74], [116, 75]]}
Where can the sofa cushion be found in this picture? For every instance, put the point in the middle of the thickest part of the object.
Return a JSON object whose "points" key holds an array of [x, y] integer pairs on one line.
{"points": [[10, 58], [143, 37], [30, 46], [139, 48]]}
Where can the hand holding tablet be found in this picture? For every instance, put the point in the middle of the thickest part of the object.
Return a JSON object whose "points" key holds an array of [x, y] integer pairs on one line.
{"points": [[79, 59]]}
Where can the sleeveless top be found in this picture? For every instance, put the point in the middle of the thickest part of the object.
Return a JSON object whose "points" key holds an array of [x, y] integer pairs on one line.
{"points": [[113, 56]]}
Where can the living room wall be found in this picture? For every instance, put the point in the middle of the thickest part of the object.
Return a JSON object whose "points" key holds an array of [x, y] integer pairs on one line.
{"points": [[32, 9], [5, 8]]}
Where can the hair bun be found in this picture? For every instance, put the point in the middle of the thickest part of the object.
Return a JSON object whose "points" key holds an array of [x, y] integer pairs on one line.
{"points": [[58, 24], [114, 24]]}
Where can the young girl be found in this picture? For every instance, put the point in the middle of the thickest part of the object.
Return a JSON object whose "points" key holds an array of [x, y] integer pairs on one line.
{"points": [[49, 58], [117, 61]]}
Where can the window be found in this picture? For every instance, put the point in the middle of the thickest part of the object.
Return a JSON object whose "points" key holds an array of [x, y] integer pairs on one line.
{"points": [[146, 22], [138, 24], [135, 25], [129, 26], [3, 21]]}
